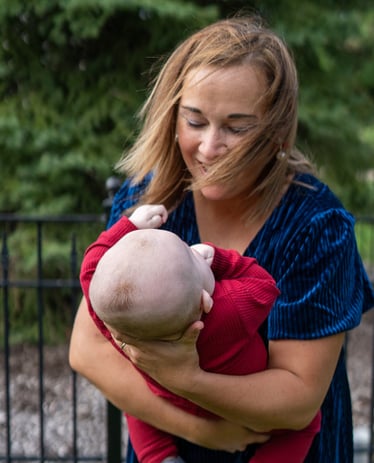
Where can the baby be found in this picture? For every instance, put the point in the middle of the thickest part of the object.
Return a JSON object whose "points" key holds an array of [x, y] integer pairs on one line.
{"points": [[145, 283], [151, 285]]}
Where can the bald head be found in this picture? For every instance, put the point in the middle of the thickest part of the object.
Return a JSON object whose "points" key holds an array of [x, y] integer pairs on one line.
{"points": [[147, 285]]}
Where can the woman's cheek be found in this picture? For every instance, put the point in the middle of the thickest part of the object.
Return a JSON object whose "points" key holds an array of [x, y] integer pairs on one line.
{"points": [[188, 151]]}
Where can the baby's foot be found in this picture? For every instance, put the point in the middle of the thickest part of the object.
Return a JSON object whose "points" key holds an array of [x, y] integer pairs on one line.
{"points": [[173, 460]]}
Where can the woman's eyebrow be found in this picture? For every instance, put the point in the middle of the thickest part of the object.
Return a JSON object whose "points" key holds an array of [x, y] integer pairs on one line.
{"points": [[241, 116], [191, 109], [230, 116]]}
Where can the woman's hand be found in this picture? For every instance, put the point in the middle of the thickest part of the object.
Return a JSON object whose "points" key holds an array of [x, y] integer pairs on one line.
{"points": [[222, 435], [168, 362]]}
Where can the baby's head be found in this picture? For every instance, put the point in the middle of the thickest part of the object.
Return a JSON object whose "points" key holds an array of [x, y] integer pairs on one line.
{"points": [[150, 285]]}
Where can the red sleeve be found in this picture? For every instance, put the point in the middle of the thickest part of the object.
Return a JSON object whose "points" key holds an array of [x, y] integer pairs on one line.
{"points": [[229, 264], [253, 289], [288, 446], [92, 256], [253, 298], [151, 445]]}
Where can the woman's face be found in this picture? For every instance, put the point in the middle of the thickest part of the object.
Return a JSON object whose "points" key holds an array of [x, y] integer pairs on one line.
{"points": [[216, 110]]}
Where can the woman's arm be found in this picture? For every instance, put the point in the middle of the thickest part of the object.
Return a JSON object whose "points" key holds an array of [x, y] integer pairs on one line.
{"points": [[285, 396], [93, 356]]}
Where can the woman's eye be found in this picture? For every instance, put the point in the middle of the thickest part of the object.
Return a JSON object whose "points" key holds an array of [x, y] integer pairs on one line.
{"points": [[238, 130], [194, 124]]}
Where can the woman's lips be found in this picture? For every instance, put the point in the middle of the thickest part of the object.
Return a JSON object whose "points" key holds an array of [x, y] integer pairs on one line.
{"points": [[203, 168]]}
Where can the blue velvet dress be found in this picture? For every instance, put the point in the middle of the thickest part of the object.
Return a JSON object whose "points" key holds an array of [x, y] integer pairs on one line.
{"points": [[308, 245]]}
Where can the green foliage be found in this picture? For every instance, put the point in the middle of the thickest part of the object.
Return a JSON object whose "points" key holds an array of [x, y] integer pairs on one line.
{"points": [[72, 77], [365, 241], [334, 58]]}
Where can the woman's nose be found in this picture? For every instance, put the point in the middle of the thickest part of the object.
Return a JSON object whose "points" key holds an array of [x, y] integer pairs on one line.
{"points": [[213, 143]]}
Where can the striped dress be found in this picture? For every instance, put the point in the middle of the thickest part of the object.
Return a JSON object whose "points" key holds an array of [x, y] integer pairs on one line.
{"points": [[308, 246]]}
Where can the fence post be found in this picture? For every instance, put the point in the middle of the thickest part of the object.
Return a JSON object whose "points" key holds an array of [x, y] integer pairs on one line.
{"points": [[5, 264], [114, 434]]}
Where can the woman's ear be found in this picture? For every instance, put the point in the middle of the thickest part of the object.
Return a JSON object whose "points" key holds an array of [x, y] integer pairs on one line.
{"points": [[206, 302]]}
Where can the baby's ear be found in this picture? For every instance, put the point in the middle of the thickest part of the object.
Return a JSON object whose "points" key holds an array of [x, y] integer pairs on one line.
{"points": [[206, 301]]}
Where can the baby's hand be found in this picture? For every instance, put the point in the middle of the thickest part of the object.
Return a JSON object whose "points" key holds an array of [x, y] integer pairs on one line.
{"points": [[149, 216], [205, 250]]}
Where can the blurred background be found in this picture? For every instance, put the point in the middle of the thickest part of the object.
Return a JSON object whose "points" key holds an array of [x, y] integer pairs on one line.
{"points": [[73, 74]]}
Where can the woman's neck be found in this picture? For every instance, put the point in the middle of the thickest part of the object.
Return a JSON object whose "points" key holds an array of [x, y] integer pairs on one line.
{"points": [[222, 223]]}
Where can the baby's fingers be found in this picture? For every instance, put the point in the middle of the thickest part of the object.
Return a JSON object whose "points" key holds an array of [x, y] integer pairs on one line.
{"points": [[157, 215]]}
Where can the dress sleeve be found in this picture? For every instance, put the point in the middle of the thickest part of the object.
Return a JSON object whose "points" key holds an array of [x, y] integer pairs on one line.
{"points": [[321, 280]]}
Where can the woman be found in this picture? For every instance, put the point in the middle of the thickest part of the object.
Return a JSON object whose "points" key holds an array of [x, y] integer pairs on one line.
{"points": [[217, 148]]}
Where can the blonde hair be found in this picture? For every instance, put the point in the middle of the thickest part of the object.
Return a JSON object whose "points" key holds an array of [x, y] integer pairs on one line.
{"points": [[231, 42]]}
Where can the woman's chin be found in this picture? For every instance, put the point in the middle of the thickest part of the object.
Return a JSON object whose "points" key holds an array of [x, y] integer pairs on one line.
{"points": [[215, 193]]}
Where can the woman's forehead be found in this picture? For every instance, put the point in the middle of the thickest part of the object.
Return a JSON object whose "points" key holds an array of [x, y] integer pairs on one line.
{"points": [[236, 90]]}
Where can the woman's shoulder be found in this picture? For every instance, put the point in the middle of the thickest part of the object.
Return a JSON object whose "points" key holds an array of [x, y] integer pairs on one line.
{"points": [[308, 202], [314, 258], [309, 216]]}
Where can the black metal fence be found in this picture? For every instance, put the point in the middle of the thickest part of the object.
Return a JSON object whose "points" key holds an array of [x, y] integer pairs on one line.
{"points": [[65, 287], [35, 287]]}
